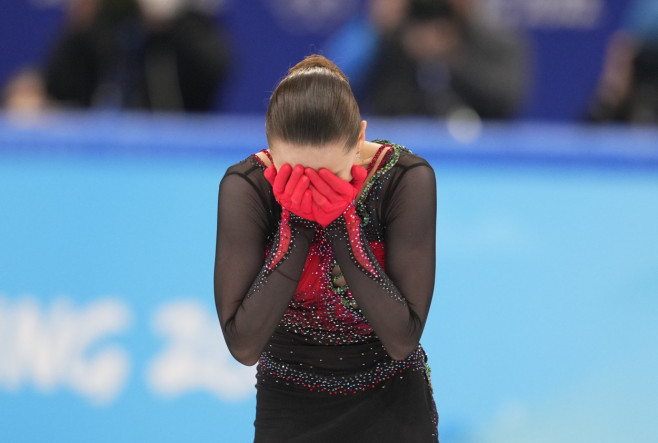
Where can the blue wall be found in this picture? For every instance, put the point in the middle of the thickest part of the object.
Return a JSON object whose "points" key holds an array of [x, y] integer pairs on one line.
{"points": [[542, 326]]}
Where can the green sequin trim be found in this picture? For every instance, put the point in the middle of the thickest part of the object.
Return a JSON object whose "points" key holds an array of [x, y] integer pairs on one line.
{"points": [[342, 291], [392, 160]]}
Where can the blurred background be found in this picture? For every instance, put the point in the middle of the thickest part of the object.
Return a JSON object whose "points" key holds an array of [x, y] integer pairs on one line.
{"points": [[121, 116]]}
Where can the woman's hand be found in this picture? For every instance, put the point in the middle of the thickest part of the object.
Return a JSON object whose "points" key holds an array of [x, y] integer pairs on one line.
{"points": [[331, 194], [291, 189]]}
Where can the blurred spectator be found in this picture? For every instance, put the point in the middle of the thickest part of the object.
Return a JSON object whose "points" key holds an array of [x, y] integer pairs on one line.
{"points": [[25, 93], [356, 46], [628, 86], [440, 60], [144, 54]]}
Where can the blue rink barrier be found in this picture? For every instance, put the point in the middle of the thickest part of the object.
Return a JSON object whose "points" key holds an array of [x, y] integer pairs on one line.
{"points": [[542, 327]]}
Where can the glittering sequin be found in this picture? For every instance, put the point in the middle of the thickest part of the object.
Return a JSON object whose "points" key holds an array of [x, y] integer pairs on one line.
{"points": [[348, 228], [306, 377], [280, 246], [390, 158], [284, 240], [317, 310], [353, 222]]}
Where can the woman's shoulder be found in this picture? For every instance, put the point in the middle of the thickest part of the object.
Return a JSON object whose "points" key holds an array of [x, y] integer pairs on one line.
{"points": [[395, 160], [248, 171], [400, 157], [246, 167]]}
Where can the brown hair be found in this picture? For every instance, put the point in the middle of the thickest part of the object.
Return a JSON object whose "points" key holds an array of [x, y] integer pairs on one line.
{"points": [[313, 105]]}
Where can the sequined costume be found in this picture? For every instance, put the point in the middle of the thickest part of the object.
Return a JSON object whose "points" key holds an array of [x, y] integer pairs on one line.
{"points": [[333, 315]]}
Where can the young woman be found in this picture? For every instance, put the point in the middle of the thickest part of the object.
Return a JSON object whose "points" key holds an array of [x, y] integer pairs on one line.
{"points": [[324, 271]]}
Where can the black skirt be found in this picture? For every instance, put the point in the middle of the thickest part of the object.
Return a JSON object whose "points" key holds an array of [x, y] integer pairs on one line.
{"points": [[398, 410]]}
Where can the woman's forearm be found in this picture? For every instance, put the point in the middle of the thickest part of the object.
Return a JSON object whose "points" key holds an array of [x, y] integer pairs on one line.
{"points": [[252, 320], [393, 315], [250, 307]]}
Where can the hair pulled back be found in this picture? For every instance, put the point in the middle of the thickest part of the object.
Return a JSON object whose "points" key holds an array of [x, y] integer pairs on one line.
{"points": [[313, 105]]}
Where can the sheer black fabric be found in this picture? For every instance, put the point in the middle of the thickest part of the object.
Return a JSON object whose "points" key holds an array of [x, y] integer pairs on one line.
{"points": [[359, 344], [397, 413]]}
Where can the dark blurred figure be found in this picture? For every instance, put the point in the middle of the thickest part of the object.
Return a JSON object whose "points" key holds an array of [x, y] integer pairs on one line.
{"points": [[442, 61], [628, 86], [137, 54], [356, 46]]}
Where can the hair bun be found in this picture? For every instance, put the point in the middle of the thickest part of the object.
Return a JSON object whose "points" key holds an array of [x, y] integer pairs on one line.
{"points": [[316, 61]]}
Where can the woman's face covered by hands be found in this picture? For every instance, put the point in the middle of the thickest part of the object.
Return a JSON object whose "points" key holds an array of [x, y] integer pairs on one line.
{"points": [[316, 183], [332, 156]]}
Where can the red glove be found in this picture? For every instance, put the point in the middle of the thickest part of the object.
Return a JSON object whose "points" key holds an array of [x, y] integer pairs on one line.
{"points": [[291, 189], [331, 194]]}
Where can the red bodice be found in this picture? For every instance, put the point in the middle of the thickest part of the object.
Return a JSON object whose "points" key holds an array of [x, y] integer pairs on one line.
{"points": [[322, 310]]}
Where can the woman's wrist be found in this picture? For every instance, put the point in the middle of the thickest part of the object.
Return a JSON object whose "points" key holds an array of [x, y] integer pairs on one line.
{"points": [[345, 232], [302, 228], [337, 229]]}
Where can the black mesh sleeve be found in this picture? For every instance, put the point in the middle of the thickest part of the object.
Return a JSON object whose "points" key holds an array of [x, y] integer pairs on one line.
{"points": [[252, 292], [395, 302]]}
